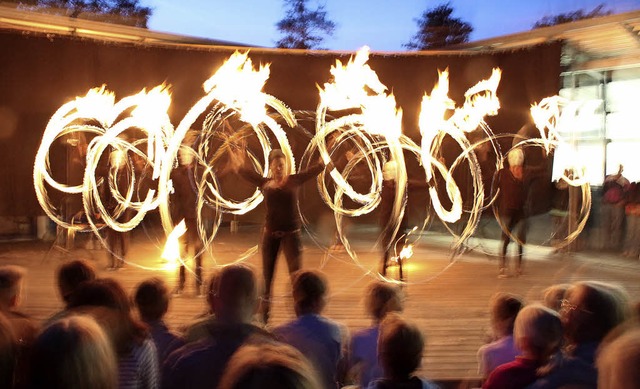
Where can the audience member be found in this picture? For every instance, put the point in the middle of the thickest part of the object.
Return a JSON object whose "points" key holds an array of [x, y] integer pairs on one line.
{"points": [[201, 364], [152, 300], [269, 365], [107, 301], [504, 309], [589, 313], [552, 296], [73, 352], [632, 212], [8, 353], [382, 298], [320, 339], [200, 328], [612, 209], [23, 327], [69, 277], [538, 333], [618, 362], [11, 279], [400, 348]]}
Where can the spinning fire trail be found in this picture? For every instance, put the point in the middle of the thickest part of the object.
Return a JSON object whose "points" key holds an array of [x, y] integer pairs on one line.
{"points": [[355, 111]]}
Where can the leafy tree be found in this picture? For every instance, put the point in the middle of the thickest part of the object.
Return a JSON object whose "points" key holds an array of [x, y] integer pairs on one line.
{"points": [[571, 17], [302, 27], [128, 12], [437, 28]]}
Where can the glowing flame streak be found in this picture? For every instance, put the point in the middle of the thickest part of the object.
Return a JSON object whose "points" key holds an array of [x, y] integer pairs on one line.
{"points": [[553, 116], [480, 101], [234, 90], [356, 86], [96, 114], [171, 252]]}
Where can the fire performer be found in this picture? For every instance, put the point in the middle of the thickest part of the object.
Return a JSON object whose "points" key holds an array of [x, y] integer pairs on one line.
{"points": [[393, 241], [117, 242], [282, 222], [184, 201], [514, 183]]}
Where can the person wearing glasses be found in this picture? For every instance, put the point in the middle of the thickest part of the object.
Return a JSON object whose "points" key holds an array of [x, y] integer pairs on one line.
{"points": [[589, 312]]}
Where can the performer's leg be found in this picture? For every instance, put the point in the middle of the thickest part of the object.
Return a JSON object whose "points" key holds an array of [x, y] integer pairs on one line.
{"points": [[292, 248], [522, 237], [111, 248], [196, 245], [270, 247], [386, 253]]}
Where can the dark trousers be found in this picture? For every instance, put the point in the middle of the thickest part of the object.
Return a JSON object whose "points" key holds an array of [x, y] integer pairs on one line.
{"points": [[118, 245], [392, 245], [510, 219], [191, 243], [272, 242]]}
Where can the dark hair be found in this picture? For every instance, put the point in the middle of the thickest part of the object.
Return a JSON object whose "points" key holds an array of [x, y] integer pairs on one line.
{"points": [[382, 298], [400, 346], [309, 290], [71, 275], [108, 293], [152, 299], [275, 153], [236, 292], [505, 308]]}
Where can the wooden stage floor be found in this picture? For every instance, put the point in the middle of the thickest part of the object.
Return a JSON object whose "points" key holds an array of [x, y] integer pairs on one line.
{"points": [[448, 300]]}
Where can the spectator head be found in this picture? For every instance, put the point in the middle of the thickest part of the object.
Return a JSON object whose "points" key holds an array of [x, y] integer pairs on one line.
{"points": [[152, 299], [591, 310], [618, 362], [504, 309], [71, 275], [107, 301], [212, 287], [400, 346], [101, 292], [269, 365], [538, 331], [552, 296], [515, 157], [236, 297], [10, 286], [309, 292], [382, 298], [73, 352]]}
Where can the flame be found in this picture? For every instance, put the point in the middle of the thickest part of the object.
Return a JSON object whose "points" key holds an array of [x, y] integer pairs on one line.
{"points": [[406, 252], [171, 252], [237, 85]]}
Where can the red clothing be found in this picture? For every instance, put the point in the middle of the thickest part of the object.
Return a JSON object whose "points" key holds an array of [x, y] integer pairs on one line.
{"points": [[513, 375]]}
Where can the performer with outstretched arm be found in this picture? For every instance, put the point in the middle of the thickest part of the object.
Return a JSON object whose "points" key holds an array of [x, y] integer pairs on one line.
{"points": [[282, 223]]}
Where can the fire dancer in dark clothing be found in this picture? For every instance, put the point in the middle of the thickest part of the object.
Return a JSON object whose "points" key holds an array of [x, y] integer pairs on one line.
{"points": [[514, 183], [184, 200], [282, 224]]}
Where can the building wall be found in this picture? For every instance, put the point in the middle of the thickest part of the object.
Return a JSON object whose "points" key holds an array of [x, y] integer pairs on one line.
{"points": [[40, 73]]}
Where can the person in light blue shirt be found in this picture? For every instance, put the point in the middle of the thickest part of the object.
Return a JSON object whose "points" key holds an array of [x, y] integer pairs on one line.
{"points": [[320, 339]]}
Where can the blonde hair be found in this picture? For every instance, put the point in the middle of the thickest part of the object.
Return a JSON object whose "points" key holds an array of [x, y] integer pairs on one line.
{"points": [[74, 352], [515, 157], [538, 331], [618, 362], [268, 365]]}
